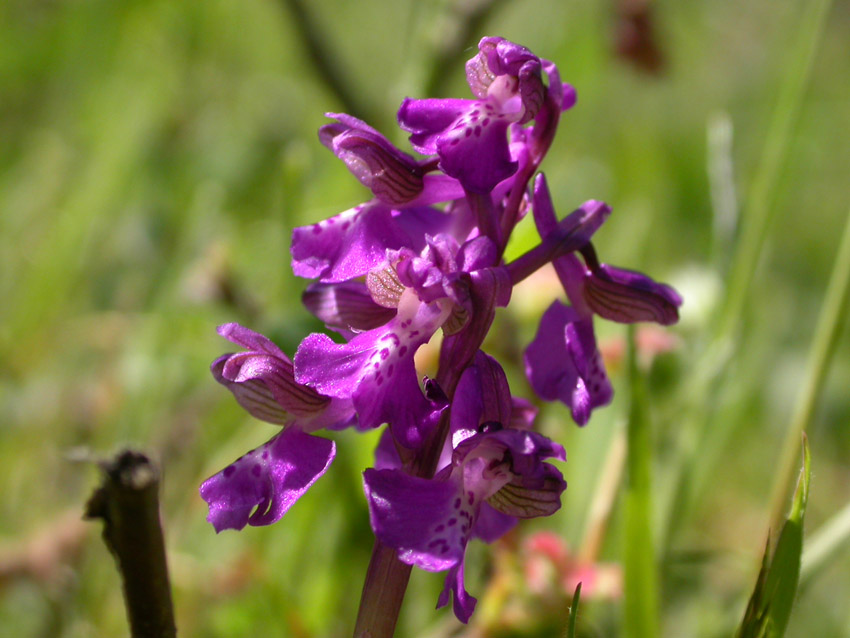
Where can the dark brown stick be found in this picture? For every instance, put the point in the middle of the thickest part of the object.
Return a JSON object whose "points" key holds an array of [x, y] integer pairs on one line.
{"points": [[128, 503]]}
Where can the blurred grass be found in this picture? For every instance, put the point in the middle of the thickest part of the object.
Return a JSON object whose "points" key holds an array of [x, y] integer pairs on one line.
{"points": [[154, 157]]}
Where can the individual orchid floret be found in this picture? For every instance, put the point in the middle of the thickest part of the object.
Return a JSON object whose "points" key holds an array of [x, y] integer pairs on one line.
{"points": [[376, 370], [430, 521], [470, 136], [394, 177], [563, 362], [259, 487], [491, 477]]}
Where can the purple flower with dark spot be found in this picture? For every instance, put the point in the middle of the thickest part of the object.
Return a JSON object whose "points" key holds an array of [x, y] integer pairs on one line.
{"points": [[430, 521], [460, 457], [470, 136], [492, 476], [259, 487], [563, 361], [376, 368]]}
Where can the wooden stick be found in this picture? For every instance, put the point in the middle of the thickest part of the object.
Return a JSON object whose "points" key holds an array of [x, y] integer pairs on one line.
{"points": [[128, 503]]}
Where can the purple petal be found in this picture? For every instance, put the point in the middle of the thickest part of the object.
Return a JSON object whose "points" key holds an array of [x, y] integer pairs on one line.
{"points": [[427, 119], [491, 524], [250, 340], [495, 392], [263, 382], [377, 371], [254, 395], [475, 150], [267, 480], [393, 176], [352, 243], [463, 604], [347, 305], [525, 449], [531, 496], [427, 521], [468, 405], [581, 344], [626, 296], [563, 363]]}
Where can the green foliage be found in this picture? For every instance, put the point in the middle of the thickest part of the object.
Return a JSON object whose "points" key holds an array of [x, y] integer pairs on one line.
{"points": [[640, 565], [770, 605], [571, 628]]}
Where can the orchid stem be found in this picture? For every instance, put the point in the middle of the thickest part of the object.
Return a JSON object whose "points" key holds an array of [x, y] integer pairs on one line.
{"points": [[383, 593]]}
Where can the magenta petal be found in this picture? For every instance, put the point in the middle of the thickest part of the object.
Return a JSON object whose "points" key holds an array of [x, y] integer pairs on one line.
{"points": [[427, 521], [463, 604], [477, 154], [377, 371], [563, 363], [250, 340], [345, 306], [267, 481], [627, 296], [427, 119], [263, 382], [354, 242], [491, 524]]}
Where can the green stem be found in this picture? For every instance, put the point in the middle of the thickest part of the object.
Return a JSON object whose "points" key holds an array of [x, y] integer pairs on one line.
{"points": [[706, 435], [825, 543], [759, 202], [823, 347], [640, 569]]}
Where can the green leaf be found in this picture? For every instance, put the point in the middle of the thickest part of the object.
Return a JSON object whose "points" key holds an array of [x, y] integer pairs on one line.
{"points": [[770, 605], [571, 628]]}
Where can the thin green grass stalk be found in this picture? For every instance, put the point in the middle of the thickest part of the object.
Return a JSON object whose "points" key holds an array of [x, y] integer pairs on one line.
{"points": [[823, 347], [703, 432], [769, 609], [758, 209], [825, 543], [639, 560], [571, 628]]}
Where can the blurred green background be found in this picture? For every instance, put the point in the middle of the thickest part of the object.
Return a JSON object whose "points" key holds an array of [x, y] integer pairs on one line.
{"points": [[154, 158]]}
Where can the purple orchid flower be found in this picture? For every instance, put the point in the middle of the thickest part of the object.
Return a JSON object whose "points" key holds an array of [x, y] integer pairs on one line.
{"points": [[576, 374], [470, 136], [376, 369], [492, 477], [460, 458], [271, 478]]}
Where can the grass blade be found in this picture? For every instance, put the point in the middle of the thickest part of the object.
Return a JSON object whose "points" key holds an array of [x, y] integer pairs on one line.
{"points": [[770, 604], [825, 543], [640, 569], [571, 628], [824, 345]]}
